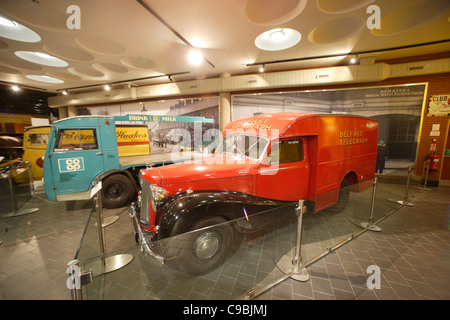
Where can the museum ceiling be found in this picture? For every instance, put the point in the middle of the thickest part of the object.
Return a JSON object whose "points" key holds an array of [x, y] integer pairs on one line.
{"points": [[82, 45]]}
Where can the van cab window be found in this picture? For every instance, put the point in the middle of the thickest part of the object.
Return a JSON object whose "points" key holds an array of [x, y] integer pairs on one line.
{"points": [[285, 151], [76, 140]]}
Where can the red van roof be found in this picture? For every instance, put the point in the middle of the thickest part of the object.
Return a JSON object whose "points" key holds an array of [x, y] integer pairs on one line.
{"points": [[274, 125]]}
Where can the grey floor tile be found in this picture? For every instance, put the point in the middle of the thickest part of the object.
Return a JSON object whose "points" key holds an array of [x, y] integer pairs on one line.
{"points": [[412, 252]]}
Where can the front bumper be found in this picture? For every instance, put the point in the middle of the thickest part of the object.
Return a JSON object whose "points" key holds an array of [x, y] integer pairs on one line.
{"points": [[142, 236]]}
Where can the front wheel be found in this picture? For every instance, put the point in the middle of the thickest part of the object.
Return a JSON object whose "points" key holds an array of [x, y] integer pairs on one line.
{"points": [[117, 191], [203, 249]]}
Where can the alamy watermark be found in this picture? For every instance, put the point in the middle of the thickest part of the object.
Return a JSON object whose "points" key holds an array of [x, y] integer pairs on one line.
{"points": [[374, 280], [74, 20], [373, 21]]}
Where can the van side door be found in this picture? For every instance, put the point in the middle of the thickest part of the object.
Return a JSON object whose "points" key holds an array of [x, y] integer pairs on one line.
{"points": [[284, 174], [76, 158]]}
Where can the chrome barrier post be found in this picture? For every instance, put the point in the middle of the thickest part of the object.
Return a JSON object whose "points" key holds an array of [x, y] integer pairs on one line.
{"points": [[111, 263], [426, 176], [405, 198], [289, 266], [15, 210], [370, 225], [30, 174], [77, 279]]}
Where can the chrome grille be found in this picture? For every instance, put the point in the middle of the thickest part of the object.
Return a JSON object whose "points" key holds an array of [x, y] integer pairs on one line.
{"points": [[146, 199]]}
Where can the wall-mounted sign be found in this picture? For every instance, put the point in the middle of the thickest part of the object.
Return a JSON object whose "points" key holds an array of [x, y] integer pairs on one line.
{"points": [[439, 105]]}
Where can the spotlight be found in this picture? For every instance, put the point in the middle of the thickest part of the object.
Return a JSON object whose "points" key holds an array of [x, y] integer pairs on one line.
{"points": [[261, 69], [15, 87], [195, 57], [64, 92], [107, 87]]}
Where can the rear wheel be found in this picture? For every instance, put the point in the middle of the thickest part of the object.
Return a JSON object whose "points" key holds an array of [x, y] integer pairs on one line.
{"points": [[344, 195], [117, 191]]}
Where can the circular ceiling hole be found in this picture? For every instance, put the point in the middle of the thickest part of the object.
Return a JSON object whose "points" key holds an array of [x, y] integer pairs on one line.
{"points": [[64, 76], [336, 30], [68, 52], [278, 39], [110, 67], [87, 72], [269, 12], [341, 6], [138, 62], [4, 69], [100, 45], [411, 17]]}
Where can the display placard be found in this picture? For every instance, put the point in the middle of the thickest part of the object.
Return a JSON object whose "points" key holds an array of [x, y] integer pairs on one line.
{"points": [[439, 105]]}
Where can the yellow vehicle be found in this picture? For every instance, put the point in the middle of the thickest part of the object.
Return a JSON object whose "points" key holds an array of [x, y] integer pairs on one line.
{"points": [[132, 140], [35, 141]]}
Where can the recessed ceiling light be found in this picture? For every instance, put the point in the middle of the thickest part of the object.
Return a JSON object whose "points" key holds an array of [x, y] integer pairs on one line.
{"points": [[46, 79], [277, 39], [41, 58], [7, 23], [277, 34], [14, 31], [195, 57]]}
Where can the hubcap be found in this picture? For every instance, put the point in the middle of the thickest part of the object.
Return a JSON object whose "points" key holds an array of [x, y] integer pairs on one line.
{"points": [[206, 245], [114, 191]]}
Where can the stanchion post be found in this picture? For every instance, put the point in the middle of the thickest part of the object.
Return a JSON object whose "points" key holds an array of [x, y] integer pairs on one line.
{"points": [[370, 225], [16, 211], [11, 191], [76, 279], [405, 198], [291, 266], [30, 174], [113, 262], [73, 282], [426, 176]]}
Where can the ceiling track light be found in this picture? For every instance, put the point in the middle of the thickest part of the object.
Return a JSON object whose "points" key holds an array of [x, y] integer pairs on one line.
{"points": [[21, 86], [261, 69], [348, 54], [169, 76], [15, 87]]}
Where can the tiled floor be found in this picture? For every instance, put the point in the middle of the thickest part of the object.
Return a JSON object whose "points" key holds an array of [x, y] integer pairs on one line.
{"points": [[412, 253]]}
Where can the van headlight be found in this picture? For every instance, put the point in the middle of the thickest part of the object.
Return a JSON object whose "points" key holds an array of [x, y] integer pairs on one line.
{"points": [[158, 194]]}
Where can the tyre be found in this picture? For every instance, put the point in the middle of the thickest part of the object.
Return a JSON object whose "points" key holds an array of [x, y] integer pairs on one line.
{"points": [[117, 191], [344, 195], [201, 250]]}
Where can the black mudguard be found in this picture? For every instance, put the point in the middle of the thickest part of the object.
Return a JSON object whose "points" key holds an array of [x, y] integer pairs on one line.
{"points": [[180, 212]]}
